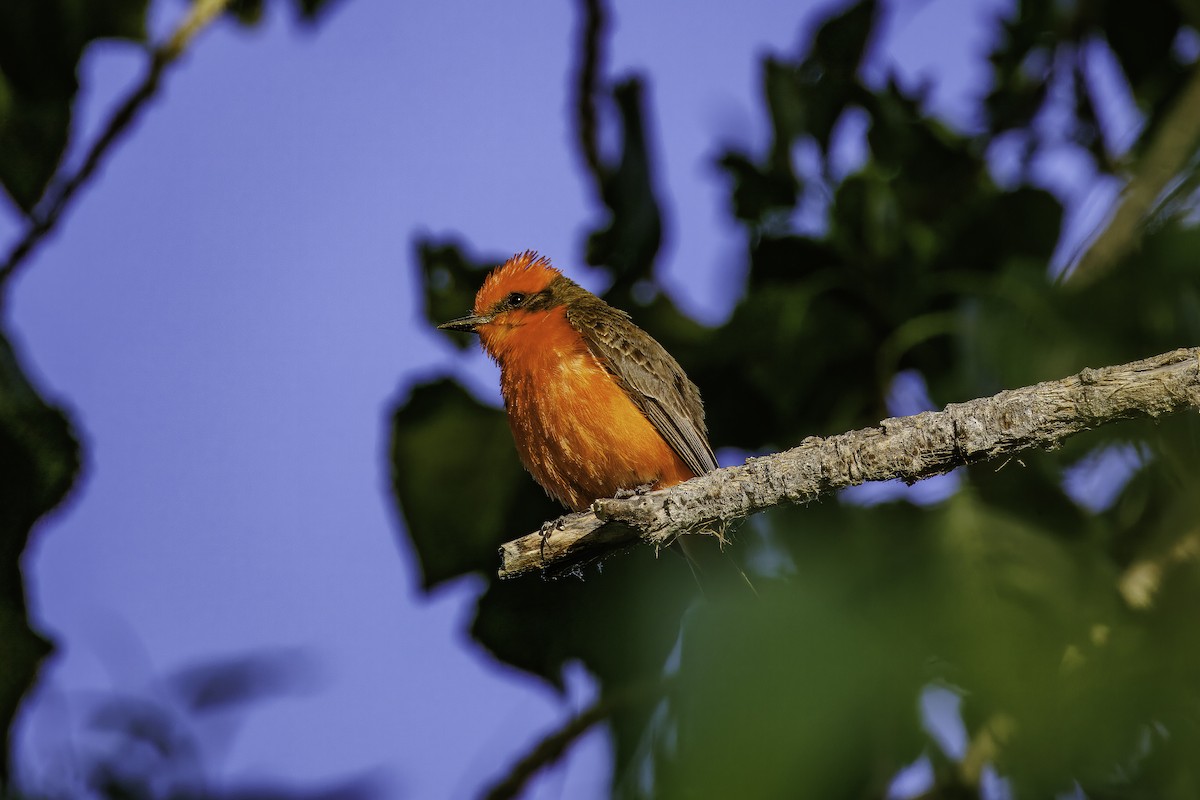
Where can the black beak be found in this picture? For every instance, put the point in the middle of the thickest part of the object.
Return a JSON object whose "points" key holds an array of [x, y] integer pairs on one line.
{"points": [[468, 323]]}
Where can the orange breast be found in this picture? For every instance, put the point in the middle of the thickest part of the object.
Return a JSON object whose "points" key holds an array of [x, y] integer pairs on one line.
{"points": [[576, 431]]}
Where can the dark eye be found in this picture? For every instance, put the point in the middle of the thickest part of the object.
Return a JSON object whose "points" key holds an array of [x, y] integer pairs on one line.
{"points": [[514, 299]]}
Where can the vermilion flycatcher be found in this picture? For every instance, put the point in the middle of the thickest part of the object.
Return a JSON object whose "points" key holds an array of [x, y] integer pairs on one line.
{"points": [[595, 404]]}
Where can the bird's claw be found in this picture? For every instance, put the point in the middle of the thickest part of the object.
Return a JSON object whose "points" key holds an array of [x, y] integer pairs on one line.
{"points": [[549, 528]]}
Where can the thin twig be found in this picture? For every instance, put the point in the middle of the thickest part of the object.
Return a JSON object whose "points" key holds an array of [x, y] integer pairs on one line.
{"points": [[47, 217], [907, 448], [551, 748]]}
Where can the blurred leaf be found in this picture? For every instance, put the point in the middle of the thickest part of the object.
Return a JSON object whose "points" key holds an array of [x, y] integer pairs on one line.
{"points": [[313, 9], [238, 681], [826, 80], [840, 44], [247, 12], [1047, 44], [39, 459], [458, 481], [758, 192], [37, 131], [805, 98], [1021, 63], [810, 689], [1040, 636], [450, 280], [1097, 325], [620, 618], [165, 744], [251, 12], [1139, 38], [41, 42], [629, 241], [141, 721]]}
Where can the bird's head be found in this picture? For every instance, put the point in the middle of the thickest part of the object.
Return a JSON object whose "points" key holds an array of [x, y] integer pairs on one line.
{"points": [[514, 290]]}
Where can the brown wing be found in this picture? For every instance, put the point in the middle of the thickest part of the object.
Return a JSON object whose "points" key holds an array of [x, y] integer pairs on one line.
{"points": [[653, 379]]}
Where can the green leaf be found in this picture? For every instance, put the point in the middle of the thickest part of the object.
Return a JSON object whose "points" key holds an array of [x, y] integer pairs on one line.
{"points": [[458, 481], [809, 689]]}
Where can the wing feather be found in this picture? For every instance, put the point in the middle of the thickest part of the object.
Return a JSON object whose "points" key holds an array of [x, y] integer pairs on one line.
{"points": [[654, 381]]}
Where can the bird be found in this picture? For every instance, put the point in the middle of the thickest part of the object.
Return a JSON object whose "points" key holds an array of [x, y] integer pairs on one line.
{"points": [[596, 406]]}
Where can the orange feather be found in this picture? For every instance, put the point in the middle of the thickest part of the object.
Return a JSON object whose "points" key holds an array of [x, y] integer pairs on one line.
{"points": [[595, 404]]}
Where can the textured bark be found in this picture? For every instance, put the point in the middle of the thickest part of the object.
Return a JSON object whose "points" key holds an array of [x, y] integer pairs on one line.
{"points": [[908, 448]]}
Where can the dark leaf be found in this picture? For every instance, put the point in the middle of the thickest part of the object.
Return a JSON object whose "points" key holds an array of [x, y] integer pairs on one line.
{"points": [[313, 10], [40, 47], [247, 12], [450, 280], [758, 192], [238, 681], [1140, 36], [459, 483], [840, 44], [39, 459], [33, 139], [630, 239]]}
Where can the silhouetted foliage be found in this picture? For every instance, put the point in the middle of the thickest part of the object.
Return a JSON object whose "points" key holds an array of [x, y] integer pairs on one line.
{"points": [[166, 743], [39, 458], [1064, 620], [41, 44], [1017, 593]]}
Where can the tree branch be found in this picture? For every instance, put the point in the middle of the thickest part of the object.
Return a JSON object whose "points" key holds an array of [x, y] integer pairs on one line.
{"points": [[908, 448], [47, 217], [1167, 154]]}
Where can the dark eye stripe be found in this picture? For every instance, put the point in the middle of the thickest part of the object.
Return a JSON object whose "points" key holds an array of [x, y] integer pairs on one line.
{"points": [[535, 301]]}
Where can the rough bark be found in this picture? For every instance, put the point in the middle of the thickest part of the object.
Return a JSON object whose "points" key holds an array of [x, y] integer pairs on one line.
{"points": [[908, 448]]}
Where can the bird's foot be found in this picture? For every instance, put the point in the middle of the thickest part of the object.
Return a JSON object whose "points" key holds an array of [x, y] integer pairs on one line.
{"points": [[550, 527]]}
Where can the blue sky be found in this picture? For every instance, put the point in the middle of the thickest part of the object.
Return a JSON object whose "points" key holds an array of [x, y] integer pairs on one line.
{"points": [[232, 308]]}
